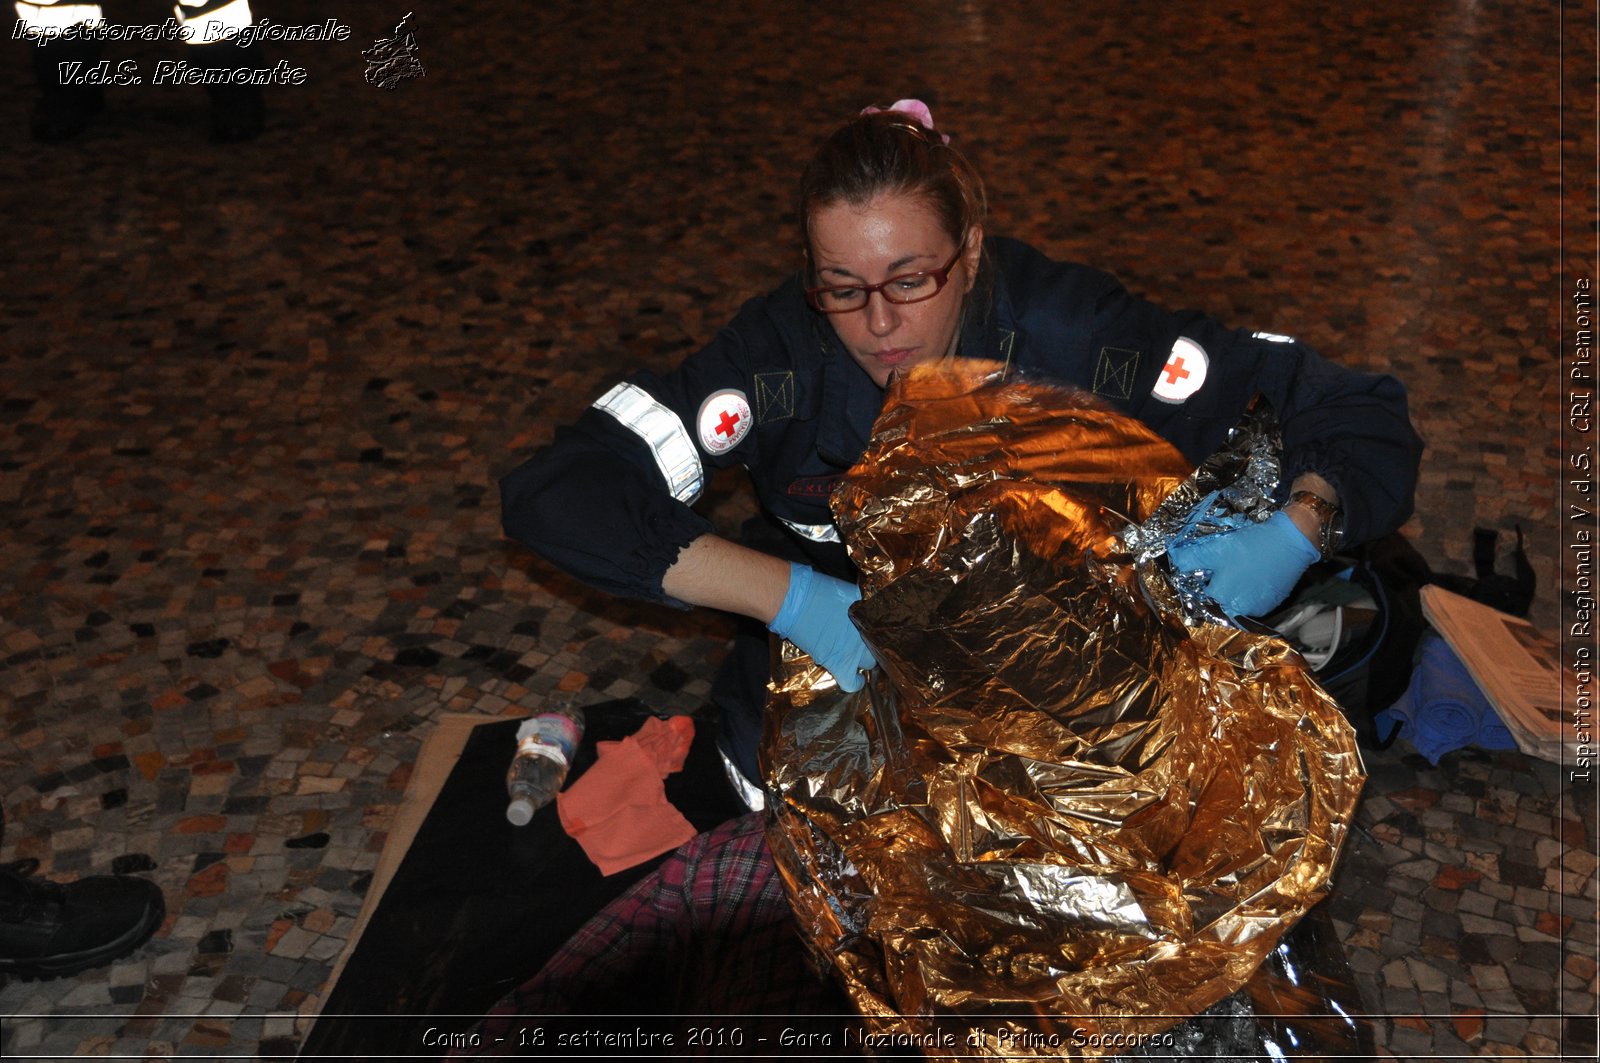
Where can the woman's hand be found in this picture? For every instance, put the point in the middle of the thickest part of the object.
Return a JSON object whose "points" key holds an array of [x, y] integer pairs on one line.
{"points": [[816, 617], [1250, 569], [794, 601]]}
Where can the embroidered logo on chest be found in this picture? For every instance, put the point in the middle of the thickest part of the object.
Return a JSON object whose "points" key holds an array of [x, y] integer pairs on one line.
{"points": [[774, 396], [1114, 373], [724, 421], [1184, 373]]}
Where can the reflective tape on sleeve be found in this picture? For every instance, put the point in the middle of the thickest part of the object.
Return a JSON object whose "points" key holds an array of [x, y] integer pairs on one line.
{"points": [[663, 432], [817, 533]]}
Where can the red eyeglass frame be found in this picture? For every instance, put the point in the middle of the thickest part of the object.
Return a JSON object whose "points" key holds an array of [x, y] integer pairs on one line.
{"points": [[941, 277]]}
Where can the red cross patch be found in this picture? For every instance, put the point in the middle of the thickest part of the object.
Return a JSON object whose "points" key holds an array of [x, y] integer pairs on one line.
{"points": [[724, 421], [1184, 372]]}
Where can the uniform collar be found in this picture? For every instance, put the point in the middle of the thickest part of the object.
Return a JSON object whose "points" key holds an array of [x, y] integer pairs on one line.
{"points": [[989, 330], [850, 401]]}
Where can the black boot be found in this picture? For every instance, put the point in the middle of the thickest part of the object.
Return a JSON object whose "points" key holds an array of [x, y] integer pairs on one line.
{"points": [[237, 112], [64, 111], [49, 929]]}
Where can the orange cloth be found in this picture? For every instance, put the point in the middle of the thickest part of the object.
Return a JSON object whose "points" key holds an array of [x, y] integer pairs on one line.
{"points": [[618, 809]]}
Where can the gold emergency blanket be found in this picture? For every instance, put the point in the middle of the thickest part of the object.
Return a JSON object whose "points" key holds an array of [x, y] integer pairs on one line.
{"points": [[1056, 821]]}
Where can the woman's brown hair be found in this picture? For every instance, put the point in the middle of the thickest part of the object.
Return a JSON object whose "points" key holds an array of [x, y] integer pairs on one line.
{"points": [[891, 152]]}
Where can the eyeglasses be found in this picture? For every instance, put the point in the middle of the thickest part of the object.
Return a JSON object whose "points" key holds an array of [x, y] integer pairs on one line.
{"points": [[906, 288]]}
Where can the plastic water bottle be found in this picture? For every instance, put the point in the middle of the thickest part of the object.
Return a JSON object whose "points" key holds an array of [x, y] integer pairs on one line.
{"points": [[546, 744]]}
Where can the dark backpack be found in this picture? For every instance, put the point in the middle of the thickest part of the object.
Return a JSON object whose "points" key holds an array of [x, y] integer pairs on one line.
{"points": [[1372, 666]]}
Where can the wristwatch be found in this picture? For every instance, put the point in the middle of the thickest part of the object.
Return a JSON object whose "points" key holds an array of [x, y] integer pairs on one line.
{"points": [[1329, 516]]}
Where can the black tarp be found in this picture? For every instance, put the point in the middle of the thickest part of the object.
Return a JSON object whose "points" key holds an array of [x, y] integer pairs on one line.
{"points": [[477, 905]]}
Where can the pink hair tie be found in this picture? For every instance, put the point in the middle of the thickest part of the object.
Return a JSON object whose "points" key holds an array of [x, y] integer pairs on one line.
{"points": [[915, 109]]}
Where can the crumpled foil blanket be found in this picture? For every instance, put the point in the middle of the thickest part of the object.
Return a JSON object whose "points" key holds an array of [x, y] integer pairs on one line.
{"points": [[1060, 817]]}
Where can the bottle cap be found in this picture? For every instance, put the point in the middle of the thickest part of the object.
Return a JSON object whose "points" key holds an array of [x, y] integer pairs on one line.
{"points": [[520, 812]]}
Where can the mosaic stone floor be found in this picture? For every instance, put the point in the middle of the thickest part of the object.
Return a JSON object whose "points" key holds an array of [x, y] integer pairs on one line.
{"points": [[254, 401]]}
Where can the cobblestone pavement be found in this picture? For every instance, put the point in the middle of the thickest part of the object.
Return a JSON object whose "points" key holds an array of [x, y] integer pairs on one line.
{"points": [[254, 402]]}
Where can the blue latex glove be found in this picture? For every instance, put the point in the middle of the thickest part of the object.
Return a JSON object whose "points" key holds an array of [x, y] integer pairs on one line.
{"points": [[1250, 569], [815, 616]]}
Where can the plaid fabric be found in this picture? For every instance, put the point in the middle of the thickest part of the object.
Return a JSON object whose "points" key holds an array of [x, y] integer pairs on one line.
{"points": [[710, 933]]}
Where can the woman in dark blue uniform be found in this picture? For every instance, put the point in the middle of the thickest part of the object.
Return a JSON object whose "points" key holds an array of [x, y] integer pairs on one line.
{"points": [[900, 272]]}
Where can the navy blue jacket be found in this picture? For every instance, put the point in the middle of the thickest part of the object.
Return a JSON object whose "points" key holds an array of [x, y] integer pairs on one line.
{"points": [[609, 500]]}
